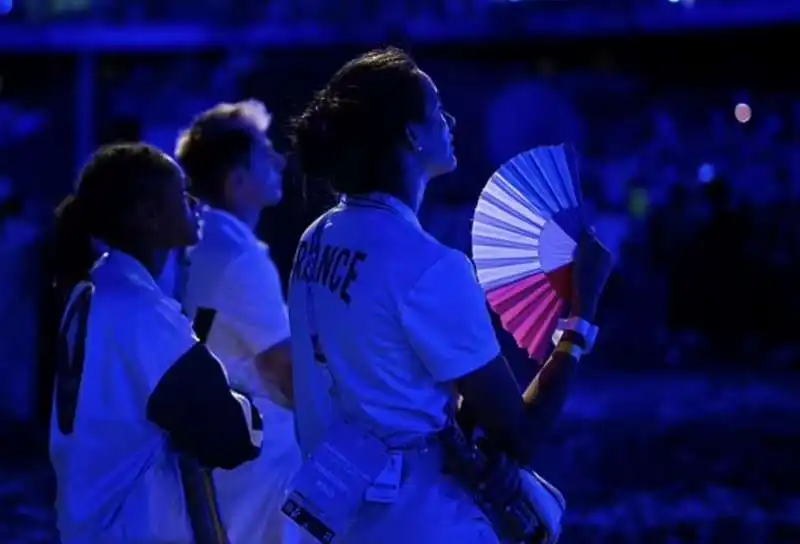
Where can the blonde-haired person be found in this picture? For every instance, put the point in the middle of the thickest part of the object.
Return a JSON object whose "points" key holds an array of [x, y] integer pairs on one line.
{"points": [[233, 293]]}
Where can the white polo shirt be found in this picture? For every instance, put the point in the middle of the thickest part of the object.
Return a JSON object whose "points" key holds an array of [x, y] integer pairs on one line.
{"points": [[230, 271], [117, 479], [399, 318]]}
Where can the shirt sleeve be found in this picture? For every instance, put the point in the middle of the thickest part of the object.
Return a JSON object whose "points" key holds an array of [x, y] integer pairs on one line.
{"points": [[250, 301], [163, 339], [189, 394], [446, 319]]}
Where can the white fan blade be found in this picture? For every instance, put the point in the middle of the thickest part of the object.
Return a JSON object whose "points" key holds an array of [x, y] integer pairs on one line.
{"points": [[508, 191], [489, 253], [490, 227], [556, 247], [504, 189], [527, 244], [487, 235], [492, 278], [497, 215], [527, 179], [494, 195]]}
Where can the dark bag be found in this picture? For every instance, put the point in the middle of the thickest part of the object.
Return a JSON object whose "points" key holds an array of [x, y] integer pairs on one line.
{"points": [[198, 482], [530, 513]]}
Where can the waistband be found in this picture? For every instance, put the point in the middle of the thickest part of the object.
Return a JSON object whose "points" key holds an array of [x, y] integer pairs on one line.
{"points": [[418, 444]]}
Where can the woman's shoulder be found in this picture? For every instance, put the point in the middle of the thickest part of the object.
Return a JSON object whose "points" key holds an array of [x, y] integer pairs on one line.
{"points": [[425, 249], [136, 304]]}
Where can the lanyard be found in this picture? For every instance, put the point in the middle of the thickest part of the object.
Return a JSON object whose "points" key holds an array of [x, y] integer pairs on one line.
{"points": [[315, 249], [383, 201]]}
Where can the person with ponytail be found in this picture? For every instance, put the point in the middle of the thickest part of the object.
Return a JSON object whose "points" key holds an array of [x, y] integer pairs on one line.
{"points": [[134, 388]]}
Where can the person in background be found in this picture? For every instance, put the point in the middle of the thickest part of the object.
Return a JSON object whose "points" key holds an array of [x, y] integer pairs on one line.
{"points": [[233, 293], [393, 323], [134, 388]]}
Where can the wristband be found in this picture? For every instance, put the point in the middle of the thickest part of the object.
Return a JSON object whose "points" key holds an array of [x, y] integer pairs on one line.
{"points": [[570, 349], [579, 326]]}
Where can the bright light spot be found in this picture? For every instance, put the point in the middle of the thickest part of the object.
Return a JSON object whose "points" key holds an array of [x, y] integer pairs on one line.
{"points": [[706, 173], [742, 112]]}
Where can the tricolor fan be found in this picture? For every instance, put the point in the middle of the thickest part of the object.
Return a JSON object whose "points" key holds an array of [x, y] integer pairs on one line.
{"points": [[524, 234]]}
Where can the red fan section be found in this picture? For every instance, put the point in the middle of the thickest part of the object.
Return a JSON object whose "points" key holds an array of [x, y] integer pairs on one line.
{"points": [[530, 308]]}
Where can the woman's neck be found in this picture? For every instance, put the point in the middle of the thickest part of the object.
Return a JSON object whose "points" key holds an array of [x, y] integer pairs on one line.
{"points": [[154, 260], [410, 191], [408, 187], [247, 215], [413, 183]]}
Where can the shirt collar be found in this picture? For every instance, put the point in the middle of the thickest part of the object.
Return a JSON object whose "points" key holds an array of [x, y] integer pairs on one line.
{"points": [[121, 263], [215, 218], [385, 201]]}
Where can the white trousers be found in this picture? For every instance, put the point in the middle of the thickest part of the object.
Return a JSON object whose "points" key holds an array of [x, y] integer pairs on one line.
{"points": [[431, 508], [250, 496]]}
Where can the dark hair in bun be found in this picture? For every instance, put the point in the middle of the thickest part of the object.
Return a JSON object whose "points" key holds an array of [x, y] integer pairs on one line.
{"points": [[349, 134]]}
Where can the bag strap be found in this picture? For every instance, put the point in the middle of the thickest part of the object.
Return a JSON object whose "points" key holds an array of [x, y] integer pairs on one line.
{"points": [[203, 321], [315, 252], [201, 502], [70, 359]]}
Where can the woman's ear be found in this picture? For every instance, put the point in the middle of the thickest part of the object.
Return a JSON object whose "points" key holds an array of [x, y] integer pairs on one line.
{"points": [[412, 140]]}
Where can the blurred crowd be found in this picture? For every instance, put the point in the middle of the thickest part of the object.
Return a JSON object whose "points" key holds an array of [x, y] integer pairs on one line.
{"points": [[150, 11], [325, 12], [713, 202], [699, 206]]}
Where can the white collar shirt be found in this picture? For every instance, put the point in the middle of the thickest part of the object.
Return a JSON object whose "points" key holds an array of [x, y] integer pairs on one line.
{"points": [[231, 273], [398, 316], [118, 480]]}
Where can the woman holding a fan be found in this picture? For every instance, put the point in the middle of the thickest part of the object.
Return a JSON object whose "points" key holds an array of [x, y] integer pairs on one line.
{"points": [[394, 324]]}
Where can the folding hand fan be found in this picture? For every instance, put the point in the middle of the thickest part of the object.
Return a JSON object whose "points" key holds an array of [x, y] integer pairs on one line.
{"points": [[524, 234]]}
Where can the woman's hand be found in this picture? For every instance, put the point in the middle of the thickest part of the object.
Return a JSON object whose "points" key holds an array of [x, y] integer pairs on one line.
{"points": [[593, 266]]}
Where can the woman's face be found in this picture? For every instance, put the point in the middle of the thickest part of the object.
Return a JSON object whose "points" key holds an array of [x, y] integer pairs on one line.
{"points": [[433, 137], [178, 213]]}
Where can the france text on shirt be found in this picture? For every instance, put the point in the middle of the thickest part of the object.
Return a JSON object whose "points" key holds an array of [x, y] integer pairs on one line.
{"points": [[334, 267]]}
